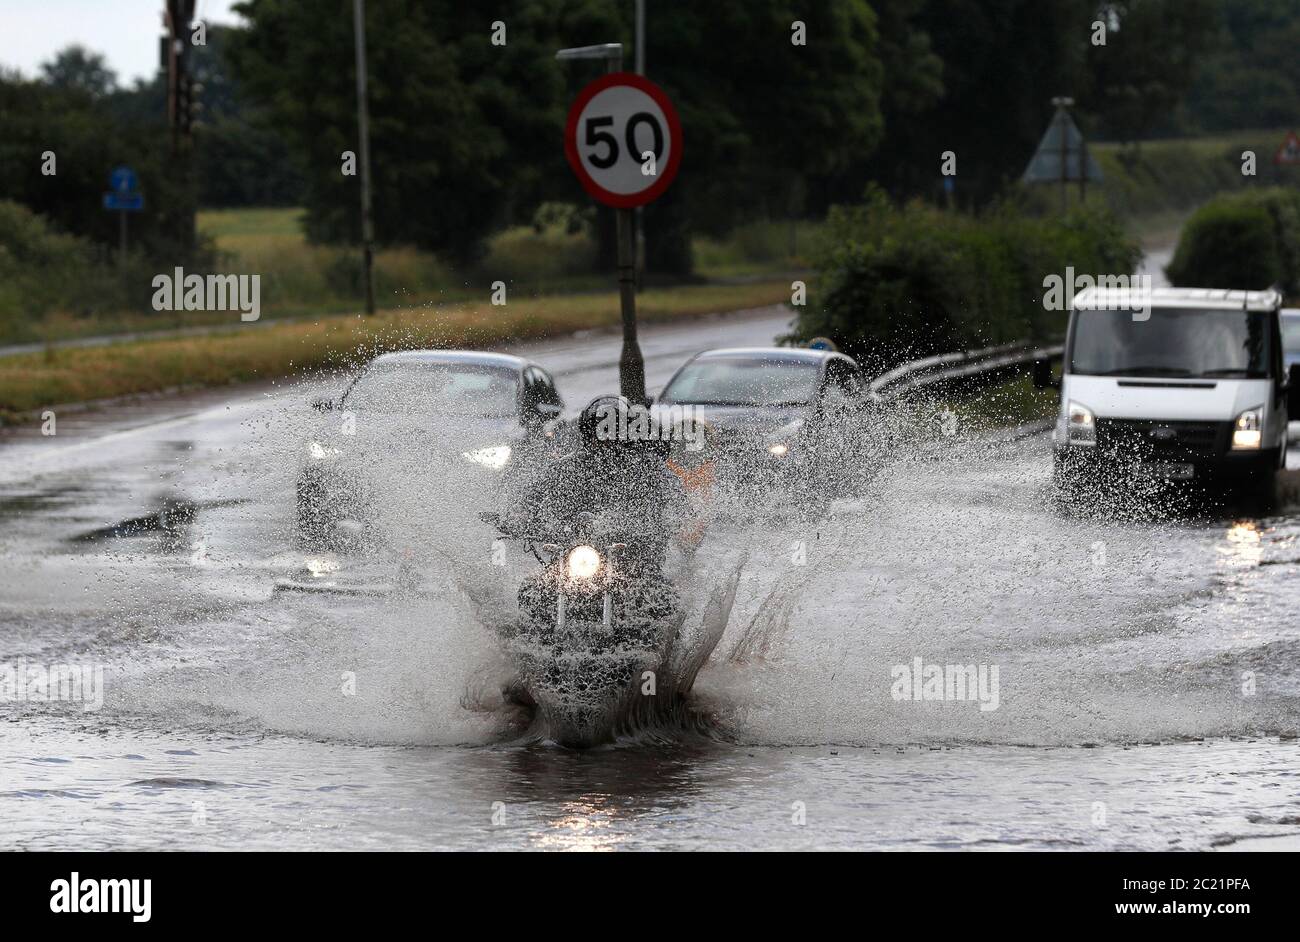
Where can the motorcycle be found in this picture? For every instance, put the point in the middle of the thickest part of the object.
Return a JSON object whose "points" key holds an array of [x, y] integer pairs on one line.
{"points": [[595, 627]]}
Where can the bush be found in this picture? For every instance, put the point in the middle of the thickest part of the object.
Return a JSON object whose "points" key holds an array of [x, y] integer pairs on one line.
{"points": [[898, 283], [1245, 240], [43, 271]]}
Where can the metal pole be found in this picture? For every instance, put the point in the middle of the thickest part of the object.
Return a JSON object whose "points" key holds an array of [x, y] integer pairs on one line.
{"points": [[631, 364], [640, 37], [1065, 155], [363, 123], [640, 212], [1083, 170]]}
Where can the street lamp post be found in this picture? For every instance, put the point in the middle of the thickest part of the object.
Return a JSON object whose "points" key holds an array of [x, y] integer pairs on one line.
{"points": [[631, 364], [640, 210], [363, 127]]}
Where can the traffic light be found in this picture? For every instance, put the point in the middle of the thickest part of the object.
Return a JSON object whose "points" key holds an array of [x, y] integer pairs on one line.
{"points": [[188, 105], [183, 103]]}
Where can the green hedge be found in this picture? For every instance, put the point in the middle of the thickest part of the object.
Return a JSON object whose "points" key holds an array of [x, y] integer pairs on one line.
{"points": [[897, 283], [1241, 240]]}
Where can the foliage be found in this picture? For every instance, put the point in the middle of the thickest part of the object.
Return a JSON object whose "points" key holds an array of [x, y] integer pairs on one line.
{"points": [[896, 283], [1245, 240]]}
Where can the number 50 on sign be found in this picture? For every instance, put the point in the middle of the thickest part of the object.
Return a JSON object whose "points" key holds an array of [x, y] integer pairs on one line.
{"points": [[623, 140]]}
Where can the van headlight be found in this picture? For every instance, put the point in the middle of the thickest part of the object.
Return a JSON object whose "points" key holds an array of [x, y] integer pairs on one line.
{"points": [[1247, 431], [1080, 425], [583, 562], [494, 458]]}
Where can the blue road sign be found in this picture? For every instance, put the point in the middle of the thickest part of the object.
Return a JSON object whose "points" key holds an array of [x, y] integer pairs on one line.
{"points": [[823, 343], [123, 194], [122, 180], [129, 203]]}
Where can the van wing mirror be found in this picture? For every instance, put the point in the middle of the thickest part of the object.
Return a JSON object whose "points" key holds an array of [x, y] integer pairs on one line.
{"points": [[1043, 375]]}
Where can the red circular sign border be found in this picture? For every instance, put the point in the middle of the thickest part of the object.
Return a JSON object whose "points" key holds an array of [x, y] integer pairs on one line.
{"points": [[594, 189]]}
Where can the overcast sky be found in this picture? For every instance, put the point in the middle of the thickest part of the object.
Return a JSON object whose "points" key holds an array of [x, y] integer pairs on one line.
{"points": [[125, 32]]}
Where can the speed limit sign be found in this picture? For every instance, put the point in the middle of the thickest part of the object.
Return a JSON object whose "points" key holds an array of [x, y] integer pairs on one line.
{"points": [[623, 140]]}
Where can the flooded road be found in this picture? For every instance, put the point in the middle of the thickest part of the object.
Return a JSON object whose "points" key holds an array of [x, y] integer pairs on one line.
{"points": [[1140, 676]]}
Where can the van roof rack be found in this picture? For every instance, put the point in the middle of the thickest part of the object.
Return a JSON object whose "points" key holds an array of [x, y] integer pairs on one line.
{"points": [[1105, 298]]}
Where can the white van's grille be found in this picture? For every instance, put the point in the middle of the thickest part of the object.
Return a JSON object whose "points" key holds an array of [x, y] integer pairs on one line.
{"points": [[1137, 438]]}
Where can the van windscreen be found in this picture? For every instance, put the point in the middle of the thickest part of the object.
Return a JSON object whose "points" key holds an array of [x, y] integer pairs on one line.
{"points": [[1172, 342]]}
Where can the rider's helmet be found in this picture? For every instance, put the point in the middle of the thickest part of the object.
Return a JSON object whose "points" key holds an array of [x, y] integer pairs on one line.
{"points": [[604, 422], [614, 424]]}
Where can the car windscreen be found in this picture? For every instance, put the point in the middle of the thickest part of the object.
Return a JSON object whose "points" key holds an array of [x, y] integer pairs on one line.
{"points": [[434, 389], [744, 381], [1171, 342]]}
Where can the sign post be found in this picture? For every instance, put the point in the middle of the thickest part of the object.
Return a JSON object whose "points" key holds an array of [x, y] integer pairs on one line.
{"points": [[624, 142], [1062, 156], [123, 197]]}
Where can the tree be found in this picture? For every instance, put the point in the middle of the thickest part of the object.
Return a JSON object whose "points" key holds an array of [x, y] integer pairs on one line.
{"points": [[1003, 60], [78, 68], [466, 134], [1150, 59], [1248, 79], [455, 122]]}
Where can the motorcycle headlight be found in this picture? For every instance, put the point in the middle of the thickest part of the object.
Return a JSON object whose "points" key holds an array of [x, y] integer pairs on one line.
{"points": [[494, 458], [1247, 431], [583, 562], [780, 449], [321, 452], [1080, 425]]}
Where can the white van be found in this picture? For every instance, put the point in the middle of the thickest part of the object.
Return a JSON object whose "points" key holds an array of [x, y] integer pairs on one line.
{"points": [[1180, 383]]}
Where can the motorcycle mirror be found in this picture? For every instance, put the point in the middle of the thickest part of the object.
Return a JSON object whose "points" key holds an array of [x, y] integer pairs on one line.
{"points": [[551, 547], [617, 547]]}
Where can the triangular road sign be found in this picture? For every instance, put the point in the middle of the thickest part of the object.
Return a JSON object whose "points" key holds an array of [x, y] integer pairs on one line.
{"points": [[1289, 152], [1057, 157]]}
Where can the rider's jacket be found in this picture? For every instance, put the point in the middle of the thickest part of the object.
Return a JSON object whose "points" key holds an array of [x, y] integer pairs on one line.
{"points": [[635, 498]]}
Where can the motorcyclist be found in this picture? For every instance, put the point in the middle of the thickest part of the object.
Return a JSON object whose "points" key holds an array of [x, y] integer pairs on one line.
{"points": [[617, 473]]}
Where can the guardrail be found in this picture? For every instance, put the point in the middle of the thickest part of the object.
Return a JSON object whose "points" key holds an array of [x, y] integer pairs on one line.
{"points": [[965, 368]]}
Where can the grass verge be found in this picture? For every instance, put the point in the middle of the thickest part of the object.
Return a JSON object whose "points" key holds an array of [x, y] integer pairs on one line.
{"points": [[31, 382], [1006, 405]]}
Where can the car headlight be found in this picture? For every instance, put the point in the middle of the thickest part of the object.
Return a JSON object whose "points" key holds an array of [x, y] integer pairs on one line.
{"points": [[780, 449], [583, 562], [1247, 431], [321, 452], [494, 458], [1080, 425]]}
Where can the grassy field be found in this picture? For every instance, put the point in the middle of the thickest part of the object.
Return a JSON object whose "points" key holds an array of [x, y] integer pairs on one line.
{"points": [[1156, 184], [31, 382]]}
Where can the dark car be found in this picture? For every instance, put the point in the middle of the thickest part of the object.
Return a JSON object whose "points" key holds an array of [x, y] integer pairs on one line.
{"points": [[473, 421], [798, 419]]}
